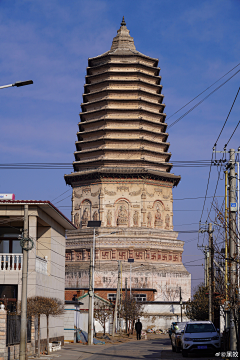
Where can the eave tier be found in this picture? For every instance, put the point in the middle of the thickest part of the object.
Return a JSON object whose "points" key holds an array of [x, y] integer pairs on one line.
{"points": [[121, 134], [121, 114], [123, 104], [149, 163], [120, 66], [115, 84], [123, 124], [125, 56], [139, 172], [114, 143], [123, 76], [123, 93]]}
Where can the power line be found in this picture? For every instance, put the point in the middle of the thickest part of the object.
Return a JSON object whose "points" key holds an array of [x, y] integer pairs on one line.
{"points": [[227, 117], [200, 102], [204, 91]]}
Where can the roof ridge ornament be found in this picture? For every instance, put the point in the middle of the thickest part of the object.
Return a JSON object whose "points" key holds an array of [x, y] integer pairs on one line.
{"points": [[123, 23]]}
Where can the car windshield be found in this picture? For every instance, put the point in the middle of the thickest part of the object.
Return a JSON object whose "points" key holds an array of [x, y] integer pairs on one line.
{"points": [[199, 328], [180, 326]]}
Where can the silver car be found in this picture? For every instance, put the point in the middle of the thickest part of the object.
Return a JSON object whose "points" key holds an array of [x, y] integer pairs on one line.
{"points": [[200, 336]]}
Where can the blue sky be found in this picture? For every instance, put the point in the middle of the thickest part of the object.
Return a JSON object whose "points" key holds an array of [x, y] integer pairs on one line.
{"points": [[50, 42]]}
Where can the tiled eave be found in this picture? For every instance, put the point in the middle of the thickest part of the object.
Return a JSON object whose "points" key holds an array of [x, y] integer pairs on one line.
{"points": [[120, 172]]}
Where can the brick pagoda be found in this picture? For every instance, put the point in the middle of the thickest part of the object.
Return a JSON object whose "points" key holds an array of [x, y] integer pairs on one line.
{"points": [[122, 176]]}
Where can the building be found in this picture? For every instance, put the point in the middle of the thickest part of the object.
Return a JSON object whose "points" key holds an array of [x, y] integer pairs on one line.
{"points": [[122, 177], [46, 261]]}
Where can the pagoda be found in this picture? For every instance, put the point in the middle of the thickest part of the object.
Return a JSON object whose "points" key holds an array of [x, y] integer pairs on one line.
{"points": [[122, 177]]}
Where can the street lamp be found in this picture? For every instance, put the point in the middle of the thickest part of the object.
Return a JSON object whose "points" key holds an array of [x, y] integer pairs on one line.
{"points": [[18, 84], [93, 224]]}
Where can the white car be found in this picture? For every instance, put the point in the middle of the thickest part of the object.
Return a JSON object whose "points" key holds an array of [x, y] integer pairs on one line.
{"points": [[200, 336]]}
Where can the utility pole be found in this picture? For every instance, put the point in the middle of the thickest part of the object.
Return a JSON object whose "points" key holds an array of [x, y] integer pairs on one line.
{"points": [[180, 301], [120, 302], [126, 302], [232, 247], [23, 331], [205, 266], [90, 294], [117, 300], [210, 287]]}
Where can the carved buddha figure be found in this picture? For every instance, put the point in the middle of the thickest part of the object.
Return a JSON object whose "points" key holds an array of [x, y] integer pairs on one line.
{"points": [[85, 217], [95, 216], [167, 221], [158, 220], [122, 218], [135, 218], [77, 220], [109, 218], [149, 219]]}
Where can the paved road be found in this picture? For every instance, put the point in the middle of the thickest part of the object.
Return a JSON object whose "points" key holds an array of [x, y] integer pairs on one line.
{"points": [[134, 350]]}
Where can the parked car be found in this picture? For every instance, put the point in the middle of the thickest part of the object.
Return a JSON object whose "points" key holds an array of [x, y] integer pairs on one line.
{"points": [[177, 335], [200, 336]]}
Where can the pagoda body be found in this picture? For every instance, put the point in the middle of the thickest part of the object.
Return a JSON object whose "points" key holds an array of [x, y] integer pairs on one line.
{"points": [[122, 178]]}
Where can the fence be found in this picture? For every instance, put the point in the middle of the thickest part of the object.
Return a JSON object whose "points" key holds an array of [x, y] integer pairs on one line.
{"points": [[13, 329]]}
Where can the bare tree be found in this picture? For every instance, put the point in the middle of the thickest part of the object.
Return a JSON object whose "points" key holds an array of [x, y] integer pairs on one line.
{"points": [[102, 312], [131, 311], [53, 307]]}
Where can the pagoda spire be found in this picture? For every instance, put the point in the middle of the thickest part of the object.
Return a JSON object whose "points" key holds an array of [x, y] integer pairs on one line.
{"points": [[123, 23], [123, 40]]}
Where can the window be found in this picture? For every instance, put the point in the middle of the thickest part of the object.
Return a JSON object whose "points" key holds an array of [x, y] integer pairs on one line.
{"points": [[111, 297], [140, 297]]}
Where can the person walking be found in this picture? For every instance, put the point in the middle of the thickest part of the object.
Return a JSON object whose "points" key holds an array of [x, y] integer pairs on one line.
{"points": [[138, 328]]}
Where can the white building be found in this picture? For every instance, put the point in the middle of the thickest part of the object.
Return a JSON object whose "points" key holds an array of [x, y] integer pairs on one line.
{"points": [[46, 261]]}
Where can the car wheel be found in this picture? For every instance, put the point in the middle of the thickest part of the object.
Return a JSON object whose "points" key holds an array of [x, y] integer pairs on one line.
{"points": [[173, 348], [184, 353]]}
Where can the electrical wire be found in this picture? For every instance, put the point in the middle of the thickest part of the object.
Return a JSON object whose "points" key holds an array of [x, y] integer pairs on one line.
{"points": [[227, 117], [204, 91], [200, 102]]}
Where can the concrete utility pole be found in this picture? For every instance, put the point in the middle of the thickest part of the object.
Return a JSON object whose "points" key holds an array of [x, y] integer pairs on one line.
{"points": [[23, 331], [90, 294], [210, 263], [205, 266], [180, 300], [117, 300], [232, 247], [126, 302]]}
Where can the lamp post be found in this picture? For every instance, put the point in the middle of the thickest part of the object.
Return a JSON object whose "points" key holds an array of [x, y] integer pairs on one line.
{"points": [[94, 225], [18, 84]]}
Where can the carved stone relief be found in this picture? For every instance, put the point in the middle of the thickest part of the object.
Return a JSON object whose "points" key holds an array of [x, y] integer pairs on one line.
{"points": [[167, 221], [110, 193], [123, 188], [135, 218], [77, 220], [86, 212], [95, 216], [77, 195], [109, 218], [149, 219], [135, 193], [122, 215]]}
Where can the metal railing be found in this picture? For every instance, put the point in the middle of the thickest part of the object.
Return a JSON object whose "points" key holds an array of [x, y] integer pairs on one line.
{"points": [[12, 262]]}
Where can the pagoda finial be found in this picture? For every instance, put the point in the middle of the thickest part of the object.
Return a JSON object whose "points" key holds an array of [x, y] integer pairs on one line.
{"points": [[123, 23]]}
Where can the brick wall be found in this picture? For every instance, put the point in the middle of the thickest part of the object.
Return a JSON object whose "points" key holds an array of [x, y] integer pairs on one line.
{"points": [[12, 352]]}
